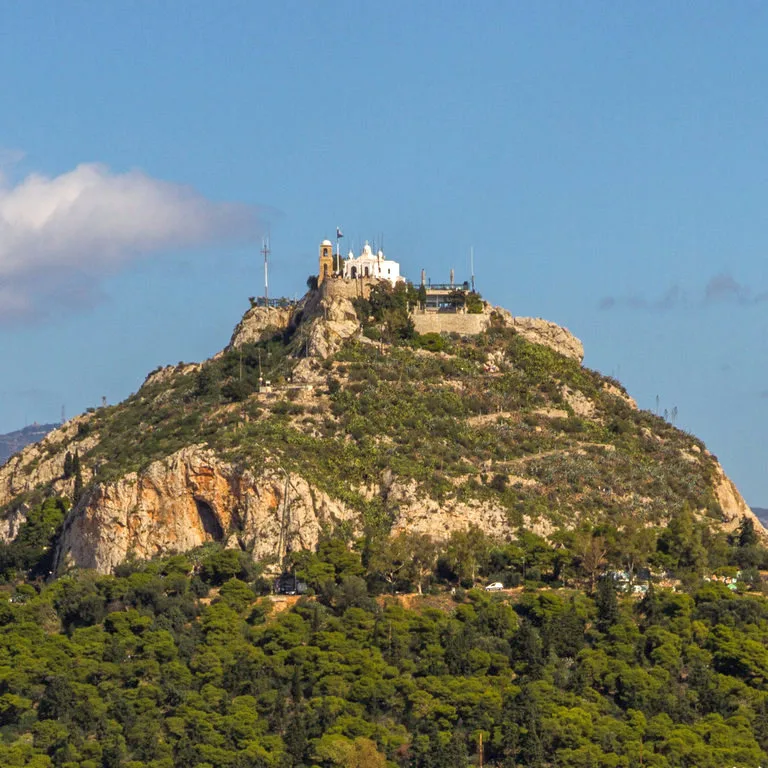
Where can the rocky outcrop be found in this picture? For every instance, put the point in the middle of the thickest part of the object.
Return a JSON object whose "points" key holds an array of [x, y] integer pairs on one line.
{"points": [[732, 504], [419, 514], [188, 499], [330, 318], [539, 331], [169, 372], [12, 442], [42, 464], [612, 389], [258, 320], [582, 406], [11, 523]]}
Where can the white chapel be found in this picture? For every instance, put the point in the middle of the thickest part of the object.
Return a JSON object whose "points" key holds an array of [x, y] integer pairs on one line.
{"points": [[368, 264]]}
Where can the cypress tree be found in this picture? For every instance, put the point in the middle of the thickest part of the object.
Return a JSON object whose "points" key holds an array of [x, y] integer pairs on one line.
{"points": [[77, 493], [607, 605]]}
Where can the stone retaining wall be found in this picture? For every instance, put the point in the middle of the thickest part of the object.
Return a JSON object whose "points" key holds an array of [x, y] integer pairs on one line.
{"points": [[336, 287], [448, 322]]}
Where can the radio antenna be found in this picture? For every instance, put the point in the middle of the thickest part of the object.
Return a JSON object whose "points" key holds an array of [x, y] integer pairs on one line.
{"points": [[265, 250]]}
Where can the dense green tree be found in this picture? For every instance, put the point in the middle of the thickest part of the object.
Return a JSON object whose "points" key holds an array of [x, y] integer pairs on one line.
{"points": [[134, 670]]}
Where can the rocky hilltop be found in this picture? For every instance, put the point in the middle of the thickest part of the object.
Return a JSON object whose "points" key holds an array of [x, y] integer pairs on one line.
{"points": [[336, 411]]}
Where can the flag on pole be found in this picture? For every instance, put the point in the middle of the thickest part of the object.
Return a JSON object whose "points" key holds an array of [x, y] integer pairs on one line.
{"points": [[339, 233]]}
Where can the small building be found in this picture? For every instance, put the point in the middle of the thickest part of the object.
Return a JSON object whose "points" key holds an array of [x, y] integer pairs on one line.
{"points": [[444, 297], [287, 584]]}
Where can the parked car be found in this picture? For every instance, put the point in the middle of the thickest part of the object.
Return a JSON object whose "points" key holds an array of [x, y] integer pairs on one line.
{"points": [[495, 586]]}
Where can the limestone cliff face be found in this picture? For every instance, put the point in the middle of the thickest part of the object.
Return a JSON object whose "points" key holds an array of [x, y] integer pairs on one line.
{"points": [[10, 525], [419, 514], [42, 464], [188, 499], [734, 508], [327, 317], [257, 320], [540, 331], [193, 497]]}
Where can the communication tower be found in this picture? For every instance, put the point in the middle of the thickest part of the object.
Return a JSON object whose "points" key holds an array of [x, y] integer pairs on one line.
{"points": [[266, 251]]}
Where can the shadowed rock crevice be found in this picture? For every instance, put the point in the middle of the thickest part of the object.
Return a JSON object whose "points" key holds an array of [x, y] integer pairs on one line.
{"points": [[208, 520]]}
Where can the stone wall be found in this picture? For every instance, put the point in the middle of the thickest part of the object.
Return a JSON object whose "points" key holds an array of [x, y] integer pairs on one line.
{"points": [[448, 322], [339, 288]]}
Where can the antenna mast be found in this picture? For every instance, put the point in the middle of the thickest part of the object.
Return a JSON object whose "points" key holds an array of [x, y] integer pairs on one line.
{"points": [[265, 250], [472, 265]]}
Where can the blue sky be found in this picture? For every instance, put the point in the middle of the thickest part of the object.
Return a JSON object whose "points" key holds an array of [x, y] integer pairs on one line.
{"points": [[607, 161]]}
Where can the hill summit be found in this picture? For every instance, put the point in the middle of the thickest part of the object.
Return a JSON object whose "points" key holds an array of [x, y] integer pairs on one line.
{"points": [[358, 408]]}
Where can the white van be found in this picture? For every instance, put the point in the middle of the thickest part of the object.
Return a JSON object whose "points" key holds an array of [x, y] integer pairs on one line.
{"points": [[496, 586]]}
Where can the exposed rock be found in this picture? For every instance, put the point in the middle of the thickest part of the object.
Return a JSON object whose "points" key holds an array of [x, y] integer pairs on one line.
{"points": [[612, 389], [551, 335], [257, 321], [540, 331], [333, 320], [490, 418], [9, 525], [12, 442], [552, 413], [419, 514], [734, 508], [307, 371], [190, 498], [43, 463], [649, 434], [162, 375], [581, 404]]}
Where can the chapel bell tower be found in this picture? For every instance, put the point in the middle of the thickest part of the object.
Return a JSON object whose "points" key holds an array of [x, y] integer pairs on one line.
{"points": [[325, 269]]}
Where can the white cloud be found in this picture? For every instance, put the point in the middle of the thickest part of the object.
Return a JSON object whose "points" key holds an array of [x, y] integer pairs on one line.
{"points": [[60, 236]]}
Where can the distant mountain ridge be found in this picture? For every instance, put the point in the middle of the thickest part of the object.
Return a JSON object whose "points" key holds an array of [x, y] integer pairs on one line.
{"points": [[762, 513], [12, 442]]}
